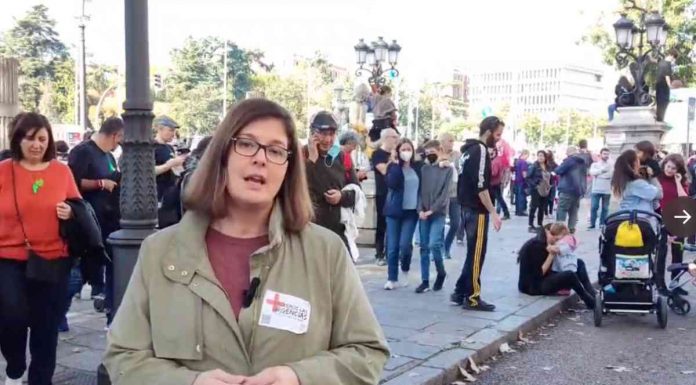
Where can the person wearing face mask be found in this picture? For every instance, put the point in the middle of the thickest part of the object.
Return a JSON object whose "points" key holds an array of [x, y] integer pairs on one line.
{"points": [[403, 182], [327, 174], [436, 176], [477, 206], [381, 158]]}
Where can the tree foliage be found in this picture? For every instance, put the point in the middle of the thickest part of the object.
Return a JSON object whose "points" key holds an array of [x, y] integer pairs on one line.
{"points": [[194, 86], [35, 43], [307, 88], [569, 127], [680, 15]]}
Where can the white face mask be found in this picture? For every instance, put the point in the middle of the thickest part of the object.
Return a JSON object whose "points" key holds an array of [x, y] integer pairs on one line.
{"points": [[406, 155]]}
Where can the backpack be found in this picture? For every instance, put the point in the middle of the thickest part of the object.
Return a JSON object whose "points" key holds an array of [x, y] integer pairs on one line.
{"points": [[544, 186]]}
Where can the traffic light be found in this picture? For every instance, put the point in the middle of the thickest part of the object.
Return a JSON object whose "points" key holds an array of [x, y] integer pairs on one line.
{"points": [[158, 81]]}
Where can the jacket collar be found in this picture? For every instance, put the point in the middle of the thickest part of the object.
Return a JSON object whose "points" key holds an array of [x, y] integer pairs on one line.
{"points": [[191, 252]]}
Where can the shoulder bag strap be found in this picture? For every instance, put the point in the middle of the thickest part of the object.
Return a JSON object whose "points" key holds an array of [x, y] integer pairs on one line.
{"points": [[19, 216]]}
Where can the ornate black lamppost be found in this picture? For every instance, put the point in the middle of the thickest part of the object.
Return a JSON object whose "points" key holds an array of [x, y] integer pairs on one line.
{"points": [[375, 55], [138, 194], [652, 35]]}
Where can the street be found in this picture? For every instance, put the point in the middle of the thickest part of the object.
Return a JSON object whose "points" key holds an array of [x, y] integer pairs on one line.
{"points": [[569, 350]]}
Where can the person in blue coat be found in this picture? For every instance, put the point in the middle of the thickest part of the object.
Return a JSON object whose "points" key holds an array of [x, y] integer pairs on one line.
{"points": [[403, 183]]}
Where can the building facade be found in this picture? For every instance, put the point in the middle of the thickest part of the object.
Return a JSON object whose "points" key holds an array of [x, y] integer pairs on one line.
{"points": [[541, 89]]}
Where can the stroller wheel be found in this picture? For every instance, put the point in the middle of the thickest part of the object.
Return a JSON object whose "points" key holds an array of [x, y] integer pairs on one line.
{"points": [[679, 305], [598, 309], [662, 311]]}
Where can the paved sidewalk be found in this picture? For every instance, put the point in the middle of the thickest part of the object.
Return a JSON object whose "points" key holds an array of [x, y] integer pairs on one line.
{"points": [[427, 336]]}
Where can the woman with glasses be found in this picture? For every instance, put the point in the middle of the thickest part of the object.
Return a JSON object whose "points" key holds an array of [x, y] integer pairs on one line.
{"points": [[245, 290]]}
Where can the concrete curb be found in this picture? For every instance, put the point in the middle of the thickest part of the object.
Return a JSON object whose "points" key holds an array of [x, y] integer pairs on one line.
{"points": [[451, 373]]}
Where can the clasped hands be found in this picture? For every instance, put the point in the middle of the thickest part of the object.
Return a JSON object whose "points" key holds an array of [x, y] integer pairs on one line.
{"points": [[277, 375]]}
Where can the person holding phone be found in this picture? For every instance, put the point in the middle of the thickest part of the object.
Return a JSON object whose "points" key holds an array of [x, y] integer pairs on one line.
{"points": [[327, 174], [166, 158]]}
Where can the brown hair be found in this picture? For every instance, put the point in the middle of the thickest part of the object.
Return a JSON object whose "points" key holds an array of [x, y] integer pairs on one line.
{"points": [[678, 161], [647, 147], [558, 228], [623, 172], [20, 127], [207, 192]]}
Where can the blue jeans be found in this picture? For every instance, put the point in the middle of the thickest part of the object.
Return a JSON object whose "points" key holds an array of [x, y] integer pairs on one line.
{"points": [[400, 243], [74, 287], [520, 199], [605, 198], [431, 233], [455, 215]]}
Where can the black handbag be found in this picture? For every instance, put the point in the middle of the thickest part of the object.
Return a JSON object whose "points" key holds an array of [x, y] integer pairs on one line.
{"points": [[39, 268]]}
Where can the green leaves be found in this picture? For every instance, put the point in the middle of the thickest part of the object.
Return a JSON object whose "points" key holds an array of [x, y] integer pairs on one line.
{"points": [[35, 43], [195, 85]]}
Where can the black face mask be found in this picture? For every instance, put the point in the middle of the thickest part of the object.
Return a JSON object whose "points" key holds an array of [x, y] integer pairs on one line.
{"points": [[432, 158]]}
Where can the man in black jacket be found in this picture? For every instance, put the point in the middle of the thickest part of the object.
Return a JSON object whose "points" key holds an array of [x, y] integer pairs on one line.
{"points": [[326, 174], [473, 191]]}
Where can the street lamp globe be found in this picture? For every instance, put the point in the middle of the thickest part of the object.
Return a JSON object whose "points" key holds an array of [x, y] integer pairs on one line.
{"points": [[624, 32], [663, 34], [381, 47], [394, 49], [370, 58], [654, 24], [361, 51]]}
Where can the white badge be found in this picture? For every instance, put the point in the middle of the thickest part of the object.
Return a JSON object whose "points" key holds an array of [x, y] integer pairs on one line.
{"points": [[285, 312]]}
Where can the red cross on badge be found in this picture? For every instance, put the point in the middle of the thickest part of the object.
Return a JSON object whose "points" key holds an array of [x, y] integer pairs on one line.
{"points": [[275, 302]]}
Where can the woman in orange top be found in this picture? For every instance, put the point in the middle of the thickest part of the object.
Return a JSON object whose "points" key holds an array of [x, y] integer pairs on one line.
{"points": [[33, 189]]}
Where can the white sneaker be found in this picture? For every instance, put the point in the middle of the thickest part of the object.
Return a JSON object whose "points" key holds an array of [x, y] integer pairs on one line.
{"points": [[404, 275], [390, 285], [9, 381]]}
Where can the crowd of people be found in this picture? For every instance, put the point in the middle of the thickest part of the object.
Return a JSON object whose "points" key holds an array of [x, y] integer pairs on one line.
{"points": [[256, 249]]}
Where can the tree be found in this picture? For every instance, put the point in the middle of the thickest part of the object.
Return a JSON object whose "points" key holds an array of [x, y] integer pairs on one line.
{"points": [[35, 43], [100, 78], [288, 91], [680, 15], [567, 129], [306, 89], [63, 93], [197, 69]]}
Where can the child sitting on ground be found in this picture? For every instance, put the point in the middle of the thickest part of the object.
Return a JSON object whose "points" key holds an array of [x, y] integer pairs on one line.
{"points": [[564, 249]]}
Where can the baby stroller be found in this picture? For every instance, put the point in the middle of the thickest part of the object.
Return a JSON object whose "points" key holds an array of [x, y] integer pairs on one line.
{"points": [[628, 246], [676, 302]]}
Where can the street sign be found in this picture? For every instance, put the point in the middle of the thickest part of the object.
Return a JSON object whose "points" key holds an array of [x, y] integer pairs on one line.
{"points": [[692, 108]]}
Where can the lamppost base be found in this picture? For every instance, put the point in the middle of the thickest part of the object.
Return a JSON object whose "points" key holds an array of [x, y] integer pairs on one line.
{"points": [[630, 126], [125, 247]]}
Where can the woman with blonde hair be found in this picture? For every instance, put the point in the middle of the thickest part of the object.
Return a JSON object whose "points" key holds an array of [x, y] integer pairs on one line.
{"points": [[245, 290]]}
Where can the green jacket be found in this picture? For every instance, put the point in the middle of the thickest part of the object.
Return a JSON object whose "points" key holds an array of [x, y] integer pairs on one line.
{"points": [[175, 320]]}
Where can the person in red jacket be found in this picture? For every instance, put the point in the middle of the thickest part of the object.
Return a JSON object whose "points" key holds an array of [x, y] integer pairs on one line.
{"points": [[34, 263], [498, 168]]}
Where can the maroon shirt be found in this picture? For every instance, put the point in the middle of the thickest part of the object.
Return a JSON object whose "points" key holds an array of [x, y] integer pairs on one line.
{"points": [[669, 190], [229, 257]]}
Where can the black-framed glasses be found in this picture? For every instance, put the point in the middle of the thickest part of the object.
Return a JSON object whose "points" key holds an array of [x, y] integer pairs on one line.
{"points": [[249, 147]]}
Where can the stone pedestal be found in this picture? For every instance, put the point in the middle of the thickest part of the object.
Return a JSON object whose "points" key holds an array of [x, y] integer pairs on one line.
{"points": [[9, 96], [630, 126], [366, 236]]}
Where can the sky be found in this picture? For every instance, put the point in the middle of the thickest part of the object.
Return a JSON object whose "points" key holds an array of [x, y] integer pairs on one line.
{"points": [[436, 35]]}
